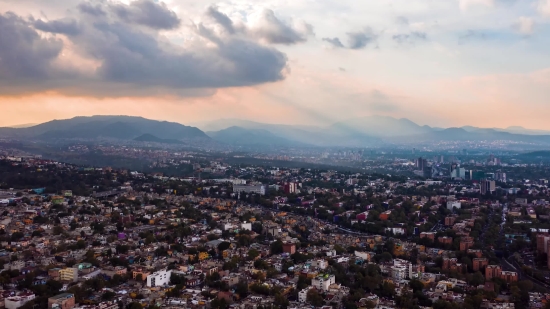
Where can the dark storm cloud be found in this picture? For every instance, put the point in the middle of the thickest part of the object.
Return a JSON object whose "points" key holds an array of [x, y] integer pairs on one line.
{"points": [[24, 55], [334, 42], [221, 19], [63, 26], [148, 13], [410, 38], [275, 31], [133, 61], [138, 59]]}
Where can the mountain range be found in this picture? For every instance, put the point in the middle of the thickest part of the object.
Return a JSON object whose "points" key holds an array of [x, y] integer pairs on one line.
{"points": [[376, 130], [115, 127], [358, 132]]}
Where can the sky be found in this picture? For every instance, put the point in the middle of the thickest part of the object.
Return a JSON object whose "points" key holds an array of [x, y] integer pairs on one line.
{"points": [[443, 63]]}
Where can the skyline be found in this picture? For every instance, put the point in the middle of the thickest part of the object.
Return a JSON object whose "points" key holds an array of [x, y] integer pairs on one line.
{"points": [[438, 63]]}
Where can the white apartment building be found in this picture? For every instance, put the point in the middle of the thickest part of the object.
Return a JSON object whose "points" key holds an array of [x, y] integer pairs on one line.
{"points": [[246, 226], [452, 204], [159, 278], [322, 282], [319, 263], [17, 301], [302, 295], [399, 272], [258, 189], [363, 255]]}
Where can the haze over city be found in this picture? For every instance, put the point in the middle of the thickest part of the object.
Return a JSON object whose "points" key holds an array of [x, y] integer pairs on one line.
{"points": [[440, 63]]}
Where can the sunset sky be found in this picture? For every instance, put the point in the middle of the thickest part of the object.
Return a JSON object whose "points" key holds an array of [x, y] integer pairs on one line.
{"points": [[437, 62]]}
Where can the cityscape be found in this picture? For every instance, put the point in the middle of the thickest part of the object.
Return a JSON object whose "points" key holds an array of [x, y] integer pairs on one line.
{"points": [[241, 154]]}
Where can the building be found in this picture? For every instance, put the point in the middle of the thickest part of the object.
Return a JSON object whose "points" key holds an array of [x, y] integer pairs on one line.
{"points": [[479, 263], [398, 230], [61, 301], [453, 204], [458, 172], [522, 201], [257, 189], [429, 235], [487, 186], [446, 240], [302, 295], [107, 305], [362, 216], [492, 271], [289, 247], [364, 255], [319, 263], [466, 243], [159, 278], [509, 276], [542, 242], [322, 282], [421, 164], [449, 221], [385, 215], [448, 263], [290, 187], [246, 226], [140, 272], [17, 301], [478, 253], [399, 273], [68, 274]]}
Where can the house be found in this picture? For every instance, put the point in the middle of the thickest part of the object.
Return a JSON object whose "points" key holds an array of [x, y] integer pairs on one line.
{"points": [[61, 301]]}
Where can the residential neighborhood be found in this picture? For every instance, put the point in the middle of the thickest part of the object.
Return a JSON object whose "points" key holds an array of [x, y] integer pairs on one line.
{"points": [[80, 237]]}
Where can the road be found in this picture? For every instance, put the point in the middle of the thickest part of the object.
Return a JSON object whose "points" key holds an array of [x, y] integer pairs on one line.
{"points": [[513, 266]]}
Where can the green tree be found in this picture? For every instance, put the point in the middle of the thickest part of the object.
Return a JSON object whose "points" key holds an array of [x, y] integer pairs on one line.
{"points": [[314, 298], [253, 254], [280, 301], [276, 247], [134, 305], [108, 295]]}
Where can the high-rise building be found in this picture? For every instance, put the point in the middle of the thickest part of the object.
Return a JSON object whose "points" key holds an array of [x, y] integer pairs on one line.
{"points": [[421, 163], [290, 187], [487, 186]]}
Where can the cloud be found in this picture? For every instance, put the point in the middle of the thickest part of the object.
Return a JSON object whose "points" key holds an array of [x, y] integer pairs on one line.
{"points": [[467, 4], [92, 9], [543, 7], [221, 19], [402, 20], [410, 38], [24, 55], [355, 40], [472, 35], [525, 25], [334, 42], [264, 26], [113, 57], [148, 13], [63, 26], [360, 40], [271, 29]]}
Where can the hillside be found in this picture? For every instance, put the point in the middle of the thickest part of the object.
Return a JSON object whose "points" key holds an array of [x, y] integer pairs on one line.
{"points": [[117, 127], [250, 137]]}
